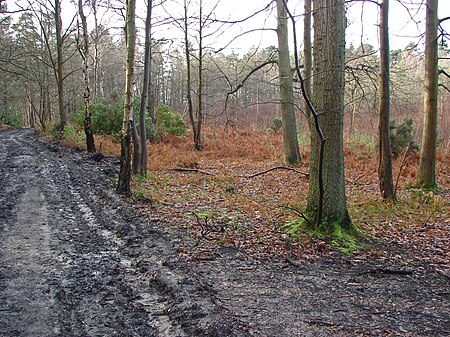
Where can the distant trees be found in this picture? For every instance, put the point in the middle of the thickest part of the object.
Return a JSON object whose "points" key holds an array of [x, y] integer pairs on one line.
{"points": [[42, 84]]}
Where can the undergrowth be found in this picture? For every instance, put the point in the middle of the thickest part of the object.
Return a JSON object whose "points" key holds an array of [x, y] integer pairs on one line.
{"points": [[249, 209]]}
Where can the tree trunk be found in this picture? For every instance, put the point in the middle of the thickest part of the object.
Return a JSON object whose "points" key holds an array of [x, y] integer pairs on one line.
{"points": [[136, 147], [198, 138], [188, 73], [124, 183], [59, 60], [290, 141], [146, 81], [328, 96], [84, 52], [307, 52], [384, 140], [427, 168]]}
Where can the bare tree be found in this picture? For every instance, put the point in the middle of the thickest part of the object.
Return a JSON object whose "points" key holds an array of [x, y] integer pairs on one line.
{"points": [[83, 47], [145, 90], [328, 98], [384, 140], [307, 52], [124, 183], [426, 177], [59, 61], [290, 141]]}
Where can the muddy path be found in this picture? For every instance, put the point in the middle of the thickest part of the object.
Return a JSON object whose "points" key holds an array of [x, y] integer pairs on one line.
{"points": [[77, 260]]}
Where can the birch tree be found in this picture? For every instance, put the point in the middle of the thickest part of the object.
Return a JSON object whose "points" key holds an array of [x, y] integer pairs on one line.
{"points": [[124, 183], [83, 47]]}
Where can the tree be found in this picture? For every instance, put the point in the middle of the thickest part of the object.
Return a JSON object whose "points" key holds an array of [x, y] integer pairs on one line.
{"points": [[307, 52], [426, 177], [189, 75], [384, 140], [145, 90], [290, 141], [328, 98], [124, 183], [83, 47], [59, 62]]}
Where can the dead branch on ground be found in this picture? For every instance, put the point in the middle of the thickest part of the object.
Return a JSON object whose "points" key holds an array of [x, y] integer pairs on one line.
{"points": [[277, 168], [188, 169]]}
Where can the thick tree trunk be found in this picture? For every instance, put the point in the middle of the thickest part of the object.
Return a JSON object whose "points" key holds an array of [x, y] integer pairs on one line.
{"points": [[384, 140], [124, 183], [307, 52], [427, 168], [84, 52], [328, 97], [59, 62], [290, 141]]}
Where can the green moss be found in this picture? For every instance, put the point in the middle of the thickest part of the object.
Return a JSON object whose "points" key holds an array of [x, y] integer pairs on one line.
{"points": [[344, 240]]}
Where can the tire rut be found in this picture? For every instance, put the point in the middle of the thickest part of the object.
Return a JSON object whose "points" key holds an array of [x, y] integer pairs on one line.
{"points": [[94, 266]]}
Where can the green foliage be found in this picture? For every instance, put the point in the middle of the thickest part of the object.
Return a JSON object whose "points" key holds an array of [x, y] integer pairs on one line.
{"points": [[11, 118], [70, 134], [168, 122], [277, 124], [402, 136], [106, 118]]}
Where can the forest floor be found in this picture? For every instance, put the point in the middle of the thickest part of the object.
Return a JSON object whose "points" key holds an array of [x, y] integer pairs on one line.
{"points": [[205, 252]]}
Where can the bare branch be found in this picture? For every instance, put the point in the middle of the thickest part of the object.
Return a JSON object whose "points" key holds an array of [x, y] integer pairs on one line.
{"points": [[188, 169], [277, 168], [443, 72]]}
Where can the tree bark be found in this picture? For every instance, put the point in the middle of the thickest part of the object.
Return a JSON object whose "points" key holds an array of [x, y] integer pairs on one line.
{"points": [[145, 86], [328, 97], [188, 73], [384, 140], [198, 139], [59, 62], [426, 177], [84, 52], [124, 183], [290, 141], [307, 52]]}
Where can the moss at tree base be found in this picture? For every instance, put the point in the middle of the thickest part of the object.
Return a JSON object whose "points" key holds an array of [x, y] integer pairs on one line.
{"points": [[343, 236]]}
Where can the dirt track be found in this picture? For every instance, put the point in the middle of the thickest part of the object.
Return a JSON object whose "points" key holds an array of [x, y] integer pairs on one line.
{"points": [[77, 260]]}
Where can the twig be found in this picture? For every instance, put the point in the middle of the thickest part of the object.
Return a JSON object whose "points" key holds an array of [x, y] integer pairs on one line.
{"points": [[298, 212], [187, 169], [206, 229], [277, 168]]}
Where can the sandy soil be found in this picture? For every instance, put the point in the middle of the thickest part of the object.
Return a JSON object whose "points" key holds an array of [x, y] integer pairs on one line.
{"points": [[78, 260]]}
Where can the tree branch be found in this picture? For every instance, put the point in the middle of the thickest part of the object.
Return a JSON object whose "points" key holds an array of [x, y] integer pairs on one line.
{"points": [[277, 168]]}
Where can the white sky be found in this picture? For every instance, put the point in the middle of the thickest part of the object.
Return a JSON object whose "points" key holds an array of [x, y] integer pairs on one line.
{"points": [[402, 29]]}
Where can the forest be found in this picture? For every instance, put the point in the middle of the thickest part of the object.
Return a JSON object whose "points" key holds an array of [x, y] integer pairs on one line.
{"points": [[224, 168], [247, 146]]}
